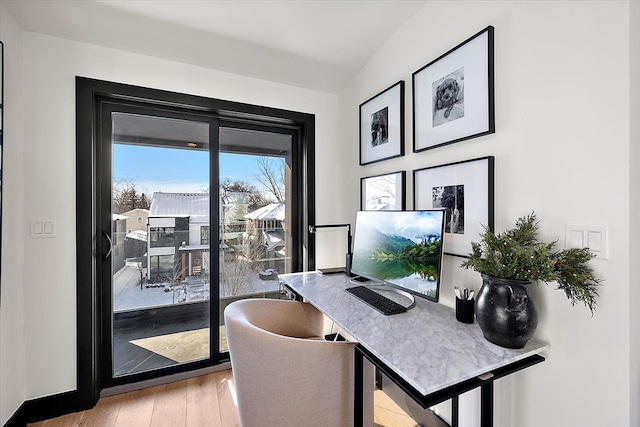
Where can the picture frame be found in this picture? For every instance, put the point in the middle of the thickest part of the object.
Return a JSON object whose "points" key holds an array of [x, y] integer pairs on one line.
{"points": [[453, 95], [382, 125], [465, 190], [383, 192]]}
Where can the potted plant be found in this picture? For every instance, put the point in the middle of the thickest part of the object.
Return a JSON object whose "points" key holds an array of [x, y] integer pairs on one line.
{"points": [[509, 262]]}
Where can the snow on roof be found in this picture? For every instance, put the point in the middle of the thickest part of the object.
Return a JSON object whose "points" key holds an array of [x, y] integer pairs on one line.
{"points": [[138, 235], [179, 204], [136, 212], [272, 211], [274, 239]]}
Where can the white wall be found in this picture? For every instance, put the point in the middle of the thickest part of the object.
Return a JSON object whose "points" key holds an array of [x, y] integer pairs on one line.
{"points": [[565, 158], [12, 346], [50, 66], [634, 196], [561, 147]]}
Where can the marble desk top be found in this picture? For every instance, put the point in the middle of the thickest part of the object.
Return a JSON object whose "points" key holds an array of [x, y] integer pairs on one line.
{"points": [[426, 346]]}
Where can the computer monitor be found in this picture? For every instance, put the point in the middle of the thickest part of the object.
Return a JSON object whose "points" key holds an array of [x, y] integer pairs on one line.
{"points": [[400, 248]]}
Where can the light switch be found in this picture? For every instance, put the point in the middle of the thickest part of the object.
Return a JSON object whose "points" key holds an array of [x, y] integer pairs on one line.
{"points": [[592, 236], [42, 228], [594, 241], [36, 228], [49, 229], [576, 239]]}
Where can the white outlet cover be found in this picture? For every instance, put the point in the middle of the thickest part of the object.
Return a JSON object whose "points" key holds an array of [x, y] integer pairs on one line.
{"points": [[592, 236], [41, 228]]}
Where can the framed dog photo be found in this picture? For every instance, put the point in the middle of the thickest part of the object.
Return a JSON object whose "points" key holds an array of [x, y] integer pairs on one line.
{"points": [[382, 125], [465, 190], [383, 192], [453, 96]]}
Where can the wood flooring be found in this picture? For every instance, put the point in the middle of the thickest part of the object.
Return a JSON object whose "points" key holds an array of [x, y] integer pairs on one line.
{"points": [[207, 400]]}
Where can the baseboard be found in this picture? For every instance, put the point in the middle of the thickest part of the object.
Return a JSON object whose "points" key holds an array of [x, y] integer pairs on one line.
{"points": [[43, 408], [19, 418]]}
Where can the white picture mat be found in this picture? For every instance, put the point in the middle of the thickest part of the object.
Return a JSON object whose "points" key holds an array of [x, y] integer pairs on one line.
{"points": [[375, 186], [474, 175], [390, 98], [473, 57]]}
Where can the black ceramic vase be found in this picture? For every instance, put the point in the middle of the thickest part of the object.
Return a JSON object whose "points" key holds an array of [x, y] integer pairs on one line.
{"points": [[504, 311]]}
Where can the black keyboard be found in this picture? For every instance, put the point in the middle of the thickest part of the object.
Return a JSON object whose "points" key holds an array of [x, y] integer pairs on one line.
{"points": [[383, 304]]}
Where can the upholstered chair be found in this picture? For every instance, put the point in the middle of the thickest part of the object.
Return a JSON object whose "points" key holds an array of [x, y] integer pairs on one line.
{"points": [[285, 373]]}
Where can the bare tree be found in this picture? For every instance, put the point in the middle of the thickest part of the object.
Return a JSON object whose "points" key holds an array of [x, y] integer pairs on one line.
{"points": [[126, 197], [238, 271], [254, 199], [272, 171]]}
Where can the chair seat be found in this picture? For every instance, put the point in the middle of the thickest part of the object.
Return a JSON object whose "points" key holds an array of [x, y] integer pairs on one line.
{"points": [[285, 373]]}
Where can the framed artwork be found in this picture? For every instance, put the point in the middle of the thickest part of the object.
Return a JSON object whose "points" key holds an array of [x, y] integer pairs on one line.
{"points": [[453, 96], [382, 125], [465, 190], [383, 192]]}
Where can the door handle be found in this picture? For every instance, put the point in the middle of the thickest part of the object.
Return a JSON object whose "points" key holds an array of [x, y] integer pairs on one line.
{"points": [[106, 256]]}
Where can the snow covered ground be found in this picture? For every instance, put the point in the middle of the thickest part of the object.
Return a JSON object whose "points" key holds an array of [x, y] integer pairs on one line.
{"points": [[127, 294]]}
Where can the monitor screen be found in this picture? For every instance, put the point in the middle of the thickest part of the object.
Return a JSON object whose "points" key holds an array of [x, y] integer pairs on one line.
{"points": [[401, 248]]}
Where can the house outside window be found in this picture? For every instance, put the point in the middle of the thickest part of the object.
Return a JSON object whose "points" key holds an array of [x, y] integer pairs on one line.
{"points": [[161, 237], [162, 265], [204, 235]]}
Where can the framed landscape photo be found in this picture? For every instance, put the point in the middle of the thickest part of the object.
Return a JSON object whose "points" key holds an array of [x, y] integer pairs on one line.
{"points": [[465, 190], [382, 125], [453, 96], [383, 192]]}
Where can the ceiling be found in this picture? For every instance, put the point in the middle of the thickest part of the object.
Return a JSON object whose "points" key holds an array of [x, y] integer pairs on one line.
{"points": [[314, 44], [138, 129]]}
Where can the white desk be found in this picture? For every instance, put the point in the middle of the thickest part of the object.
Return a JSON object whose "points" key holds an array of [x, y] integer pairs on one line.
{"points": [[425, 351]]}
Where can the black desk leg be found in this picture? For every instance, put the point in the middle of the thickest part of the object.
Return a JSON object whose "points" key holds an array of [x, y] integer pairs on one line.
{"points": [[486, 404], [358, 378], [454, 411]]}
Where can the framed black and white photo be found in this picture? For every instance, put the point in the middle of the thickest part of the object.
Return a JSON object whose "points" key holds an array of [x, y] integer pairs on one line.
{"points": [[465, 190], [383, 192], [382, 125], [453, 96]]}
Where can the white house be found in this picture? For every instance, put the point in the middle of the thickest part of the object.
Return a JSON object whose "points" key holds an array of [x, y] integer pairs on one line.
{"points": [[178, 235], [136, 219]]}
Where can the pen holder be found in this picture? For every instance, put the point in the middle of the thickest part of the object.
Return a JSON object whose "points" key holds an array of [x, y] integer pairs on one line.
{"points": [[464, 310]]}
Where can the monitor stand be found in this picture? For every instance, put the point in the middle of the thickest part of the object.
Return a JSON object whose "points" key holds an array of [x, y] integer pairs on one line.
{"points": [[331, 270], [386, 287]]}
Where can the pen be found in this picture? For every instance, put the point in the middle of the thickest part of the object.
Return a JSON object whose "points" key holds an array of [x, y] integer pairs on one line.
{"points": [[471, 294]]}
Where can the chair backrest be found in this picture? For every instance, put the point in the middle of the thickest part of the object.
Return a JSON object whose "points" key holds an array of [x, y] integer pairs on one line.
{"points": [[284, 373]]}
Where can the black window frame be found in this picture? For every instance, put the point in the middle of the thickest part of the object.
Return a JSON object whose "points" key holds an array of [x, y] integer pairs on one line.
{"points": [[91, 97]]}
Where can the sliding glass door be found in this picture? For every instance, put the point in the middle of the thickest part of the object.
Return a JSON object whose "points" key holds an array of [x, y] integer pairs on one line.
{"points": [[184, 205], [198, 213], [158, 205], [256, 201]]}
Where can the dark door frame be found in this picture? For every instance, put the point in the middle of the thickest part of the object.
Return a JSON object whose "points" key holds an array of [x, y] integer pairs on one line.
{"points": [[91, 98], [104, 169]]}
